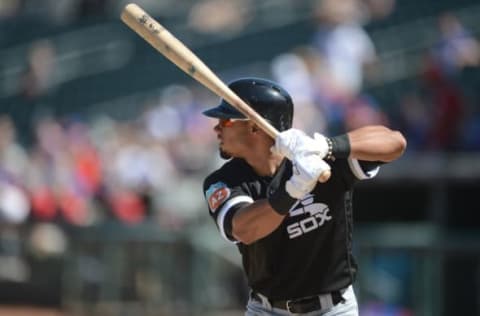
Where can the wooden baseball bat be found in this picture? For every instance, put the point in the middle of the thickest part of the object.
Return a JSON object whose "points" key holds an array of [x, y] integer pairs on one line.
{"points": [[173, 49]]}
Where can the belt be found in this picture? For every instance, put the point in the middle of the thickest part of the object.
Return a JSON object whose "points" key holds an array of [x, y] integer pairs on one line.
{"points": [[304, 305]]}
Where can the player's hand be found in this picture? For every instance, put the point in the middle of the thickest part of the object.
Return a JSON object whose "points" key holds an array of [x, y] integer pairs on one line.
{"points": [[294, 142], [306, 171]]}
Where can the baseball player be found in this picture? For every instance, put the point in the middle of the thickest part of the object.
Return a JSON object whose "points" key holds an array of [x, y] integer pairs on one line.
{"points": [[294, 233]]}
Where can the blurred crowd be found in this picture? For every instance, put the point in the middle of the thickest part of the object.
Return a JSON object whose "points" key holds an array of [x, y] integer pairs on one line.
{"points": [[81, 172]]}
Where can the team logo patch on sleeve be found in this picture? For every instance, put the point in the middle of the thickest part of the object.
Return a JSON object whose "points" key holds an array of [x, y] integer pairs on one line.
{"points": [[216, 194]]}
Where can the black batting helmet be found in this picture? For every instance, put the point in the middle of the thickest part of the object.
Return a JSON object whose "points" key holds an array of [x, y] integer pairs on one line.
{"points": [[266, 97]]}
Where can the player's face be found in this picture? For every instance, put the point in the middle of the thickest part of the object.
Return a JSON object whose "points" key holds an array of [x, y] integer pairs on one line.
{"points": [[233, 137]]}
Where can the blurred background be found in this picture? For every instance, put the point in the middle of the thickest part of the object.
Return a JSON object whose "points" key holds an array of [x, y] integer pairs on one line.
{"points": [[103, 149]]}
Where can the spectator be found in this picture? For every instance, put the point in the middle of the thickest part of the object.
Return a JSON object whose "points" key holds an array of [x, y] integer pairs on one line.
{"points": [[343, 44], [39, 77], [456, 48], [13, 157]]}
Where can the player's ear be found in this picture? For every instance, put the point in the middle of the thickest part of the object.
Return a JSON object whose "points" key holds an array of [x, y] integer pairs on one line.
{"points": [[254, 128]]}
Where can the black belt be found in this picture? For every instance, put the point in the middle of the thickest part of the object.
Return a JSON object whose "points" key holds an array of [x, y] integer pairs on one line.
{"points": [[305, 305]]}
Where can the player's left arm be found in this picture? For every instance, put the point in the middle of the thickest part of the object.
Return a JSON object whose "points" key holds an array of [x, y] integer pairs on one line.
{"points": [[368, 143], [375, 143]]}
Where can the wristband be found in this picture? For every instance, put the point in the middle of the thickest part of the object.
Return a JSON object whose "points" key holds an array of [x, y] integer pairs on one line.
{"points": [[277, 196], [338, 147], [281, 201]]}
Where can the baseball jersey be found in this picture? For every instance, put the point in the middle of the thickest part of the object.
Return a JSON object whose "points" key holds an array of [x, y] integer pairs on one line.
{"points": [[310, 253]]}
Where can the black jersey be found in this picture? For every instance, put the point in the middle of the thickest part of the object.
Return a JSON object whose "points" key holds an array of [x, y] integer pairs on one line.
{"points": [[310, 253]]}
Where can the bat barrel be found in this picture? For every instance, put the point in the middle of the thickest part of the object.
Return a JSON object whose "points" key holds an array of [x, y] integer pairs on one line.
{"points": [[174, 50]]}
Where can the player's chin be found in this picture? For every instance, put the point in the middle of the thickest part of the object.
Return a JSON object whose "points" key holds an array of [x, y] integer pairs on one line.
{"points": [[224, 154]]}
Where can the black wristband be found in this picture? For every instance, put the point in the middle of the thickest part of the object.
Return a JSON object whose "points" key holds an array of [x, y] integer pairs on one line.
{"points": [[339, 147], [277, 196], [281, 201]]}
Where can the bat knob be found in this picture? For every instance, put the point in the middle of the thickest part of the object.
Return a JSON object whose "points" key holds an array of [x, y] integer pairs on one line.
{"points": [[324, 176]]}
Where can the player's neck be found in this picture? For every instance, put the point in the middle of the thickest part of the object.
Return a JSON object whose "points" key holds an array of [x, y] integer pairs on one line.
{"points": [[258, 155], [263, 162]]}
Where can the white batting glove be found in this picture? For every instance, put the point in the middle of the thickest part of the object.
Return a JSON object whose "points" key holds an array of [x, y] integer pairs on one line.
{"points": [[306, 171], [294, 142]]}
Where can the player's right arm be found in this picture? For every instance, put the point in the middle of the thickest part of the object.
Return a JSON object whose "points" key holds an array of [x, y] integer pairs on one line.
{"points": [[293, 180], [255, 221], [238, 217]]}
